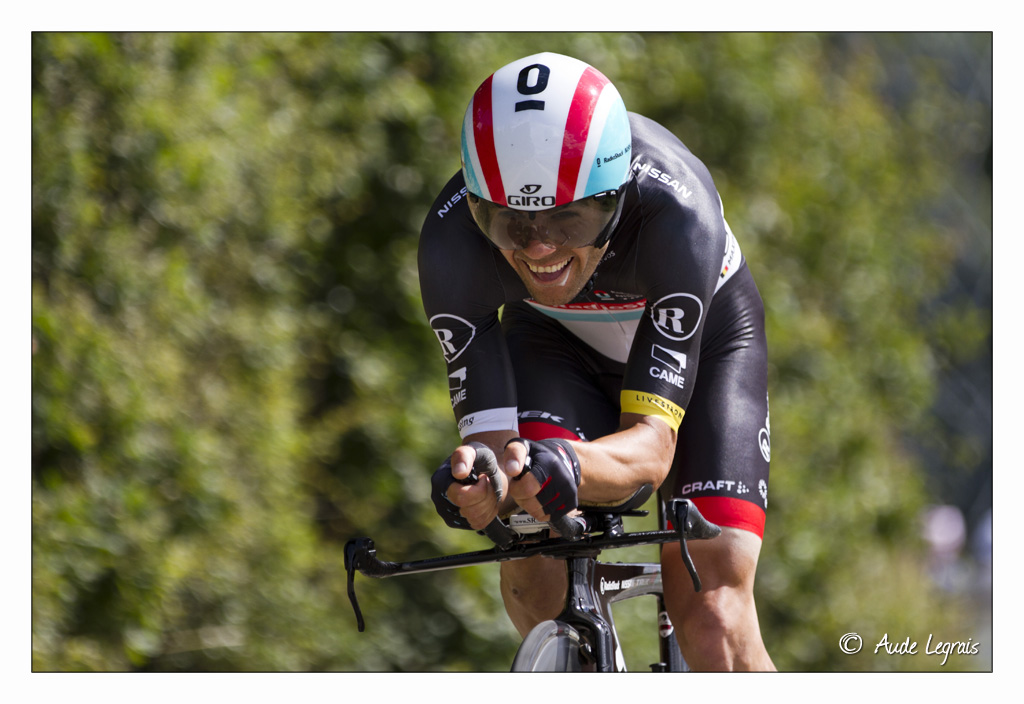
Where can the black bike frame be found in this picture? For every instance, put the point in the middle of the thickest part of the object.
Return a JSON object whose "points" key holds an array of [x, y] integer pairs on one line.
{"points": [[593, 587]]}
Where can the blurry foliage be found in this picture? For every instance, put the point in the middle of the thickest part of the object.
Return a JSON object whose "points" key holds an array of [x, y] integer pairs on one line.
{"points": [[233, 375]]}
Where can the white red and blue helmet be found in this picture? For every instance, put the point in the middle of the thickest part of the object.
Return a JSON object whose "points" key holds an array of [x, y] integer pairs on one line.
{"points": [[541, 133]]}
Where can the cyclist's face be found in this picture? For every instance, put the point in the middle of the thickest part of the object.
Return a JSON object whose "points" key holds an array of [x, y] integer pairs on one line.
{"points": [[554, 275], [551, 250]]}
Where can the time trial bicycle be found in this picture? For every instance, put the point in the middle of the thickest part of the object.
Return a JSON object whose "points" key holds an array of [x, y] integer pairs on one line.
{"points": [[583, 636]]}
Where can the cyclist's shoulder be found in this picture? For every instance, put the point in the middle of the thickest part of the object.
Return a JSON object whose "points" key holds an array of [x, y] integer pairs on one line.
{"points": [[449, 233], [677, 217], [458, 267], [664, 166], [448, 209]]}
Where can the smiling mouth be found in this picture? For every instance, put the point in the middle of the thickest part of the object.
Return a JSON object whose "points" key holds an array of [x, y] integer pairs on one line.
{"points": [[551, 269]]}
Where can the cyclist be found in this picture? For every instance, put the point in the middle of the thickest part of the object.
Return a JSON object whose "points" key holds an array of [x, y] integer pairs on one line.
{"points": [[627, 304]]}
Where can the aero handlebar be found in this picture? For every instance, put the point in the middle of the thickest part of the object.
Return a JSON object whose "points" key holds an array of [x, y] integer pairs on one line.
{"points": [[589, 534]]}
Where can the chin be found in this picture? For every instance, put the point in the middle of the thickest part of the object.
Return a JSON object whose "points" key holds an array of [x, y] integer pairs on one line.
{"points": [[560, 297]]}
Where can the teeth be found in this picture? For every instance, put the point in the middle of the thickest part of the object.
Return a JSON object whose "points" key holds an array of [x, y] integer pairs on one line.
{"points": [[547, 269]]}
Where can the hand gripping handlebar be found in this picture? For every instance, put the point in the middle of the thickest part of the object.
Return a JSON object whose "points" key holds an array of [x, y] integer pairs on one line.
{"points": [[486, 463], [569, 527]]}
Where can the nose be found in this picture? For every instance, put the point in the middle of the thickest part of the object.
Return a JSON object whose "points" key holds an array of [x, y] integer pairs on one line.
{"points": [[537, 249]]}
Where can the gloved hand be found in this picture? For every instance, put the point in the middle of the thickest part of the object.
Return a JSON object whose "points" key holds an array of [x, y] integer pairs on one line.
{"points": [[556, 468], [439, 484], [485, 463]]}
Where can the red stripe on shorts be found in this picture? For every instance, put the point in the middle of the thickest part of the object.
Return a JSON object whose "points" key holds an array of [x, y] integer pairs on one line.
{"points": [[732, 513], [542, 431]]}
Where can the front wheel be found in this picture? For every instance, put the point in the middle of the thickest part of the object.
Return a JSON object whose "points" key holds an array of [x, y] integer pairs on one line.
{"points": [[552, 646]]}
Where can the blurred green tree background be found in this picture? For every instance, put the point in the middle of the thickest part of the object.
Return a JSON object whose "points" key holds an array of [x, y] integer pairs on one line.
{"points": [[232, 374]]}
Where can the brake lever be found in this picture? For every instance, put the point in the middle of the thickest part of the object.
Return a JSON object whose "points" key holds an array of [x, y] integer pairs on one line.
{"points": [[354, 550], [690, 522]]}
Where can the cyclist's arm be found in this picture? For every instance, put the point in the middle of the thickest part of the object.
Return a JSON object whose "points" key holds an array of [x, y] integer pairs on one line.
{"points": [[614, 466], [463, 283]]}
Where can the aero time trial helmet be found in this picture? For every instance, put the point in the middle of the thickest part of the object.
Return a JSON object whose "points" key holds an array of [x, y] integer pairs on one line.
{"points": [[545, 153]]}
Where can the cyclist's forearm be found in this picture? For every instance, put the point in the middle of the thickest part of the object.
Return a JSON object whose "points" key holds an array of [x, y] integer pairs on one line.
{"points": [[616, 465]]}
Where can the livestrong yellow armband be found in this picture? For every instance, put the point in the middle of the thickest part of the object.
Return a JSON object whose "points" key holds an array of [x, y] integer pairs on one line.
{"points": [[651, 405]]}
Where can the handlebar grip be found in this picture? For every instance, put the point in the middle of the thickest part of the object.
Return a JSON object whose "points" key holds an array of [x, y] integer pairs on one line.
{"points": [[500, 534], [361, 555], [570, 527]]}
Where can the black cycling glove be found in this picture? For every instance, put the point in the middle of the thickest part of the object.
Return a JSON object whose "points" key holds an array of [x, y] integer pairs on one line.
{"points": [[485, 463], [554, 464]]}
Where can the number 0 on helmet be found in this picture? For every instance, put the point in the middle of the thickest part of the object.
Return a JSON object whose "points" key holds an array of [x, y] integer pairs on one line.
{"points": [[546, 153]]}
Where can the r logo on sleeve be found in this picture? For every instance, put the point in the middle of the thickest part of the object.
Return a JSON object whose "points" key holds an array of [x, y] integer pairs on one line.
{"points": [[677, 315], [453, 333]]}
